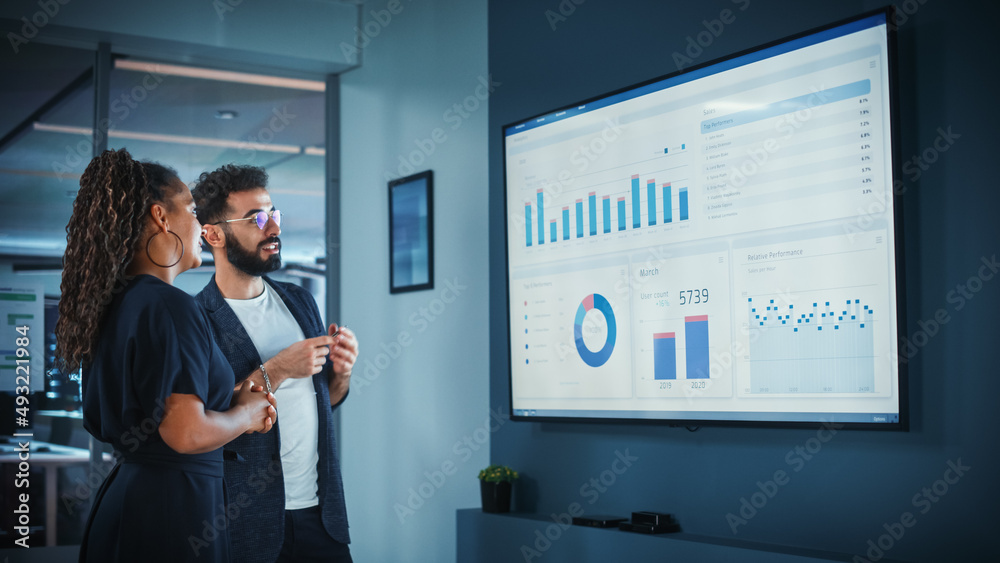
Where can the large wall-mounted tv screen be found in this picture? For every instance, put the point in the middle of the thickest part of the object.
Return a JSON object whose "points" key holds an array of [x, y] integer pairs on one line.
{"points": [[717, 246]]}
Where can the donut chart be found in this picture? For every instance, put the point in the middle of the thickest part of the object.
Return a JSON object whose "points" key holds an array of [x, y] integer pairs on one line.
{"points": [[600, 357]]}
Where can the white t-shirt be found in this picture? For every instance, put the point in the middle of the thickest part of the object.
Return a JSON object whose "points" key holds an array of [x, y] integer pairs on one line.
{"points": [[272, 328]]}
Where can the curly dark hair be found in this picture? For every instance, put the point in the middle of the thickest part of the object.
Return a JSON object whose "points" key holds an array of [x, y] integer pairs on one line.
{"points": [[102, 236], [213, 189]]}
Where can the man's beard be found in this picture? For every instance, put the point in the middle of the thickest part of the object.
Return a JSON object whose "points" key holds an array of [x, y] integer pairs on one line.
{"points": [[250, 263]]}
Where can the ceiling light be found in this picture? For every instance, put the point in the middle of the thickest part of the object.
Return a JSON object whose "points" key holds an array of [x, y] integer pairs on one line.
{"points": [[177, 139], [220, 75]]}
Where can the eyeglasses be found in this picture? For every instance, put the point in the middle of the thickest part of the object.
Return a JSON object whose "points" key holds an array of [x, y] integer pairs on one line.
{"points": [[261, 217]]}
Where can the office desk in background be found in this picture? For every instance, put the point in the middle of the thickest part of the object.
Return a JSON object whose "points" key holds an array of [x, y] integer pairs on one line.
{"points": [[49, 457]]}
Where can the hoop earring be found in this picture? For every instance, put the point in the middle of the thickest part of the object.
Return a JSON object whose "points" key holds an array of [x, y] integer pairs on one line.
{"points": [[175, 262]]}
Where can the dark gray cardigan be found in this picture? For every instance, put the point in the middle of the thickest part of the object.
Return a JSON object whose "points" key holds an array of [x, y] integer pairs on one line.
{"points": [[254, 482]]}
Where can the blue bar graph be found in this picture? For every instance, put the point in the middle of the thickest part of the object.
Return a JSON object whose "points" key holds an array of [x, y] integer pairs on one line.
{"points": [[579, 218], [527, 221], [696, 346], [607, 213], [602, 214], [651, 200], [552, 230], [541, 218], [592, 199], [635, 202], [668, 211], [664, 355]]}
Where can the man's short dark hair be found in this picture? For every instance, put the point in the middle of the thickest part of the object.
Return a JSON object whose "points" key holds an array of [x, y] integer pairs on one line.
{"points": [[213, 189]]}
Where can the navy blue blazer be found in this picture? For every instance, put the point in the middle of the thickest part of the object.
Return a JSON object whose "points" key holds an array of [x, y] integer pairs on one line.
{"points": [[254, 481]]}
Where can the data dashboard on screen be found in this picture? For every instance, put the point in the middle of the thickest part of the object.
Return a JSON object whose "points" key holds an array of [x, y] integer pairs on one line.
{"points": [[717, 246]]}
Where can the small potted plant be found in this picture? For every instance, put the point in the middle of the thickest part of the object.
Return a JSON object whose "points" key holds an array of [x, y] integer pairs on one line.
{"points": [[494, 486]]}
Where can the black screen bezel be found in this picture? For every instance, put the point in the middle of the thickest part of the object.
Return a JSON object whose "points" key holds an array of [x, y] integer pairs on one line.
{"points": [[894, 165]]}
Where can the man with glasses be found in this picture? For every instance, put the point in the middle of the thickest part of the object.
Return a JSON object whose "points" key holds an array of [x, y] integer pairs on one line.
{"points": [[284, 487]]}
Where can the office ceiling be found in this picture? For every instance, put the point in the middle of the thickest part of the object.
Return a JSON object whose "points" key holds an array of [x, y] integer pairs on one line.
{"points": [[167, 118]]}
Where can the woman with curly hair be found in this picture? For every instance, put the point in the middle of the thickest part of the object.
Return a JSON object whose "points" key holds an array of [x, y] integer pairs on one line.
{"points": [[155, 385]]}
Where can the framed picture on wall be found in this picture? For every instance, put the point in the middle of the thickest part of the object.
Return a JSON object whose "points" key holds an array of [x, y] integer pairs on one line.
{"points": [[411, 233]]}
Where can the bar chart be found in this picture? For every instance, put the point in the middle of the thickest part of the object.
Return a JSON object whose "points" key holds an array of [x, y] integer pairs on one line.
{"points": [[696, 348], [696, 331], [820, 347], [541, 216], [661, 203], [664, 355], [681, 321]]}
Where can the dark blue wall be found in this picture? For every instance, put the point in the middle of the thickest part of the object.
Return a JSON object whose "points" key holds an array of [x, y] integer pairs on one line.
{"points": [[859, 481]]}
